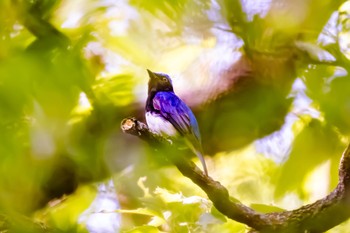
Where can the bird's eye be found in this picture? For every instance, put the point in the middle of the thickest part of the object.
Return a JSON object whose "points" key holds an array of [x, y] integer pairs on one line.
{"points": [[164, 79]]}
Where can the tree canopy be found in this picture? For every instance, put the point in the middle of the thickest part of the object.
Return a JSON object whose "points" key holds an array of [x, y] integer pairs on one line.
{"points": [[267, 80]]}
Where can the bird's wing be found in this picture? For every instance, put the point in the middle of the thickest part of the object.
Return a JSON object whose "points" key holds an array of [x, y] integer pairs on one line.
{"points": [[177, 113]]}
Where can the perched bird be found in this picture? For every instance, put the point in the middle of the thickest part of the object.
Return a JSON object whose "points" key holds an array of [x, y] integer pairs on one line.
{"points": [[169, 116]]}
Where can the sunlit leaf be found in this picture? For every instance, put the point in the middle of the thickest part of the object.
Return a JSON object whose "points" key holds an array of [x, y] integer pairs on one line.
{"points": [[64, 215], [145, 229], [315, 144], [117, 89], [142, 211]]}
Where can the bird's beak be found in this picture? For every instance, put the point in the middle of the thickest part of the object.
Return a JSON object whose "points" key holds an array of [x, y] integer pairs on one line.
{"points": [[151, 74]]}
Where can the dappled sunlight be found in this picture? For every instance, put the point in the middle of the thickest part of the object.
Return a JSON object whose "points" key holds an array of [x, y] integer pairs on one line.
{"points": [[277, 146], [82, 109], [317, 182], [64, 213], [102, 214], [268, 82], [246, 174]]}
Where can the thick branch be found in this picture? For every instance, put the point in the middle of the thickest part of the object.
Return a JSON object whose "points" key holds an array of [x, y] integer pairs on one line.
{"points": [[317, 217]]}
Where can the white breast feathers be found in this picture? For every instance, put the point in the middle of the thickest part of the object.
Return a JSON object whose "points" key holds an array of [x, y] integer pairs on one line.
{"points": [[157, 124]]}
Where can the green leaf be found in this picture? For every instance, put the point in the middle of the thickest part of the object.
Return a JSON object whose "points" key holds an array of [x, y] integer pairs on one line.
{"points": [[144, 229], [316, 143], [142, 211]]}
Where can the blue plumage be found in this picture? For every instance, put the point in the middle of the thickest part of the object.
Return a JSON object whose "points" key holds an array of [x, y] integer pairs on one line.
{"points": [[168, 115]]}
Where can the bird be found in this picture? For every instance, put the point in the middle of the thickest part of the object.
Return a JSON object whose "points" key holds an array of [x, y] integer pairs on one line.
{"points": [[167, 115]]}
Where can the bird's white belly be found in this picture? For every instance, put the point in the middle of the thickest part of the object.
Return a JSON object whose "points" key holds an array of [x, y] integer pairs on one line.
{"points": [[159, 125]]}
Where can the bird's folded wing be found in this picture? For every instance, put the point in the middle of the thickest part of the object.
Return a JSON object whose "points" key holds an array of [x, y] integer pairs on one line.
{"points": [[177, 113]]}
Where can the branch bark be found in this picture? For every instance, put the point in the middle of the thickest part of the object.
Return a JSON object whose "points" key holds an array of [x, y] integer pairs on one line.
{"points": [[316, 217]]}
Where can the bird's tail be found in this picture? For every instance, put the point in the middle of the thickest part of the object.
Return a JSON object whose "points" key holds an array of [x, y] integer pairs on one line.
{"points": [[199, 155], [201, 158]]}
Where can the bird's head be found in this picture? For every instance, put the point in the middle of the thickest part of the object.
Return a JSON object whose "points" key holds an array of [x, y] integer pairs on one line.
{"points": [[159, 82]]}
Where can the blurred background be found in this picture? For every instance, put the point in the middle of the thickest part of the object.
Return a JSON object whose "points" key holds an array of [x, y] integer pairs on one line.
{"points": [[267, 80]]}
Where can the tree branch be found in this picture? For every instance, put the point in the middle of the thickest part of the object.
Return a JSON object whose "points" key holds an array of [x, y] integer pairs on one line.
{"points": [[32, 17], [316, 217]]}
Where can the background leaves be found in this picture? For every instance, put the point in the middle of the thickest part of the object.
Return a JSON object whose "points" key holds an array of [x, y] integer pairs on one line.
{"points": [[70, 71]]}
